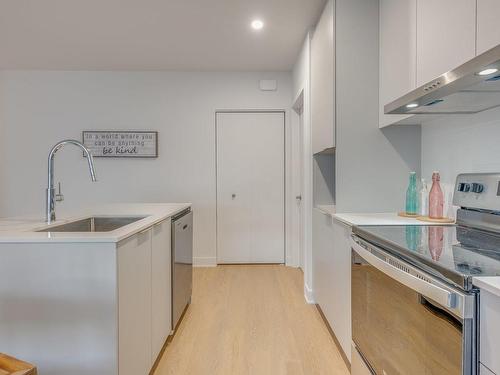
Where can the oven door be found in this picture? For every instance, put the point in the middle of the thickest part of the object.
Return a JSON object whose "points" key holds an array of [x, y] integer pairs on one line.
{"points": [[407, 322]]}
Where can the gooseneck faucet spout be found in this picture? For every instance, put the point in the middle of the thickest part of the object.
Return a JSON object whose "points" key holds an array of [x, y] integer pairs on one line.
{"points": [[51, 212]]}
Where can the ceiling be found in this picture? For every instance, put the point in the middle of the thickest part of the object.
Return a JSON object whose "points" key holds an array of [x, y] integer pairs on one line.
{"points": [[204, 35]]}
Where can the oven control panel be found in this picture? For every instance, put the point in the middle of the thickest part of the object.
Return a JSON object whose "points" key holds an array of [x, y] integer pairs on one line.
{"points": [[478, 190]]}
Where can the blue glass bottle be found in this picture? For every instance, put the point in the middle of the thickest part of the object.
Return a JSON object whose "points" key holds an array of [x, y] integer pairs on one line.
{"points": [[411, 195]]}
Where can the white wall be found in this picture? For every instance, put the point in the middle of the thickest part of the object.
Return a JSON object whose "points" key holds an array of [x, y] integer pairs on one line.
{"points": [[461, 144], [323, 179], [372, 165], [41, 108]]}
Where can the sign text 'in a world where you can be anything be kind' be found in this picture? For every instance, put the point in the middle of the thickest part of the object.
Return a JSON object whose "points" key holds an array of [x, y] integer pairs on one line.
{"points": [[116, 144]]}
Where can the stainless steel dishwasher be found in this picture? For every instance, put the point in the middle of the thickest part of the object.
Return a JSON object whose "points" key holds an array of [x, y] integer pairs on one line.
{"points": [[182, 264]]}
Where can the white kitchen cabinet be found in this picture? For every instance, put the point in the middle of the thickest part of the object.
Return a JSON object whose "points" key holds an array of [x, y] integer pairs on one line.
{"points": [[489, 329], [341, 315], [323, 262], [144, 298], [161, 310], [332, 275], [134, 304], [446, 36], [398, 49], [488, 27], [323, 82]]}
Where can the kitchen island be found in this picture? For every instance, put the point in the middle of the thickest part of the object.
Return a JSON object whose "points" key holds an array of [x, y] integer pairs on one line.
{"points": [[88, 302]]}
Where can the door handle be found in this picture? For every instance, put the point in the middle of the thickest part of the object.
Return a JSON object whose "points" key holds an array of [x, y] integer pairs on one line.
{"points": [[298, 197], [233, 195]]}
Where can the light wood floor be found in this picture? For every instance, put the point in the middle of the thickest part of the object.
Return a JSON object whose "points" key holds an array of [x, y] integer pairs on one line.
{"points": [[250, 320]]}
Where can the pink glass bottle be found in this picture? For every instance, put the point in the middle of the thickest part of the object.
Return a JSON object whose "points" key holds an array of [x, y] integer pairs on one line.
{"points": [[436, 198], [436, 237]]}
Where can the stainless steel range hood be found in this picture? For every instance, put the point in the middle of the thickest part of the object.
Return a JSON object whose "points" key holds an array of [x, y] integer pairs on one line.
{"points": [[472, 87]]}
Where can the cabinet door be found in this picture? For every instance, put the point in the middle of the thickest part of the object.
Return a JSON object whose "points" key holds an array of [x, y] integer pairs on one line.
{"points": [[332, 275], [134, 304], [398, 50], [323, 262], [488, 26], [161, 284], [446, 36], [341, 286], [489, 328], [322, 82]]}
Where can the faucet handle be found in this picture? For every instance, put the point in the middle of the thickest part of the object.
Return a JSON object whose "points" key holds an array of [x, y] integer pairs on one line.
{"points": [[59, 197]]}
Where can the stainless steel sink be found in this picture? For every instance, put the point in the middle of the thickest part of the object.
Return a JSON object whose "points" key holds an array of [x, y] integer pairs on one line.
{"points": [[94, 224]]}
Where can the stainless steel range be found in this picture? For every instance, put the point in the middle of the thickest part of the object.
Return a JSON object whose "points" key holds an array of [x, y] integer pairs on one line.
{"points": [[414, 305]]}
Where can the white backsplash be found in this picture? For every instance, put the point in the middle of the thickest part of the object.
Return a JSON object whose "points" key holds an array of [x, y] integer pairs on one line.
{"points": [[460, 144]]}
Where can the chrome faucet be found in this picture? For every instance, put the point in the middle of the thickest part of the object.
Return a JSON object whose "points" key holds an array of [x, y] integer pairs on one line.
{"points": [[51, 210]]}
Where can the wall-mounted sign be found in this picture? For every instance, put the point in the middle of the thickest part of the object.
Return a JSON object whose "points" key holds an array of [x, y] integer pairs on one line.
{"points": [[119, 144]]}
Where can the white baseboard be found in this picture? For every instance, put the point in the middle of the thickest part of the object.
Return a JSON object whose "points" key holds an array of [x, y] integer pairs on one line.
{"points": [[309, 295], [205, 262]]}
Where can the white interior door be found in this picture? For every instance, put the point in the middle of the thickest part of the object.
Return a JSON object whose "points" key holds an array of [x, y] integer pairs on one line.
{"points": [[250, 187]]}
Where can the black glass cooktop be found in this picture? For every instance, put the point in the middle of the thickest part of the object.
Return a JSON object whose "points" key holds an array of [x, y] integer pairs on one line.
{"points": [[452, 253]]}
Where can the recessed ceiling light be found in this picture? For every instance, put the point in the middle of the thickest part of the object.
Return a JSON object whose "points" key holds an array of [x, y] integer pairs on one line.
{"points": [[412, 105], [257, 24], [486, 72]]}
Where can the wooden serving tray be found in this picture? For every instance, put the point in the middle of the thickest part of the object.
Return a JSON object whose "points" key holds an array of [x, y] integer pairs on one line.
{"points": [[442, 220], [13, 366], [404, 214]]}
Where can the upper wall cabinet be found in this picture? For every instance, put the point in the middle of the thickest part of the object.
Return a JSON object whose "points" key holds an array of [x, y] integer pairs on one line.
{"points": [[322, 82], [423, 39], [397, 53], [446, 36], [488, 26]]}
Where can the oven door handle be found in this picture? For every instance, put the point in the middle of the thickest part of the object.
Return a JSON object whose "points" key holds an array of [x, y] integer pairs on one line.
{"points": [[442, 296]]}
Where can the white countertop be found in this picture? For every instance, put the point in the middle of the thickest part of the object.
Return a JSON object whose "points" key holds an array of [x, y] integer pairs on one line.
{"points": [[489, 283], [384, 218], [23, 229]]}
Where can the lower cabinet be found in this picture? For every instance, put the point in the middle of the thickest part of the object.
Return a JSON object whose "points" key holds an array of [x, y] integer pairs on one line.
{"points": [[144, 298], [332, 275], [489, 345], [134, 304], [161, 286]]}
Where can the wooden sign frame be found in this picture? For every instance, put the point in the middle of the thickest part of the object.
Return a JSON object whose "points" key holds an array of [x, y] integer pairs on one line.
{"points": [[121, 143]]}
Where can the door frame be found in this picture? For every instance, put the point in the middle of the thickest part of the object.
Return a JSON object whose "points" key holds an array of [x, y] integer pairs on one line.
{"points": [[301, 107], [299, 240], [286, 175]]}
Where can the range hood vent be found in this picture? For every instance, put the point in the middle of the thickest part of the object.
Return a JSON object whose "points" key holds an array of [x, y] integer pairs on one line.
{"points": [[471, 88]]}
